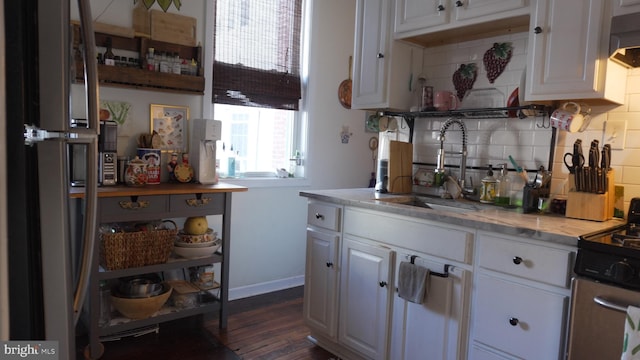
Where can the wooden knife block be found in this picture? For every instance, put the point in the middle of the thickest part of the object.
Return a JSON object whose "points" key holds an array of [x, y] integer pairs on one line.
{"points": [[590, 206]]}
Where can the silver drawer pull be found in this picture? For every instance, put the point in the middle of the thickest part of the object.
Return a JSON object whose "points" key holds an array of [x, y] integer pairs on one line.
{"points": [[134, 205], [610, 304], [319, 216], [198, 202]]}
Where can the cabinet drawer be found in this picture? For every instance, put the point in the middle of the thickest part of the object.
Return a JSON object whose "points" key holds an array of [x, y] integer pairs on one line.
{"points": [[130, 208], [529, 261], [324, 216], [197, 204], [519, 320], [449, 243]]}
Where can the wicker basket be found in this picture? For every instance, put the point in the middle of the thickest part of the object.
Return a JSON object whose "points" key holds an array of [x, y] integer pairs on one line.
{"points": [[125, 250]]}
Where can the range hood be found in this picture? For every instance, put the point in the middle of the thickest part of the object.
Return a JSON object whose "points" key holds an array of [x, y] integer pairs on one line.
{"points": [[624, 43]]}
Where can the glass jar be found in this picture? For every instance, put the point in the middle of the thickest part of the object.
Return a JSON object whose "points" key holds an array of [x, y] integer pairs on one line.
{"points": [[105, 304]]}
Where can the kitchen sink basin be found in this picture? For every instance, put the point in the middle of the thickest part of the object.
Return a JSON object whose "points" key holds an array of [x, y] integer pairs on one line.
{"points": [[458, 206]]}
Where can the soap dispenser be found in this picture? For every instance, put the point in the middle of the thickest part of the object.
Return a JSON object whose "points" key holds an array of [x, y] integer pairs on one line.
{"points": [[488, 188], [503, 187]]}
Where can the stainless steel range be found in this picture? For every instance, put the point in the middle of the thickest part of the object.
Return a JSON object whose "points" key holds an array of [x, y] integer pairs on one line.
{"points": [[607, 282]]}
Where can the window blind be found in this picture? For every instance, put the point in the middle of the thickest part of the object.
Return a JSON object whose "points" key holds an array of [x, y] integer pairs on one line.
{"points": [[257, 53]]}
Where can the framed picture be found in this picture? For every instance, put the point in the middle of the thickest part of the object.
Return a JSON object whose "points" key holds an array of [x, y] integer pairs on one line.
{"points": [[170, 122]]}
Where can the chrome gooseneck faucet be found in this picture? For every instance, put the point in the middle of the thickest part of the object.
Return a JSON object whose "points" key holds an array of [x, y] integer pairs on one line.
{"points": [[463, 153]]}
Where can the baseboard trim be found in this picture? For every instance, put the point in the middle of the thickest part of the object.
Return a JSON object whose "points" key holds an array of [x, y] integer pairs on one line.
{"points": [[266, 287]]}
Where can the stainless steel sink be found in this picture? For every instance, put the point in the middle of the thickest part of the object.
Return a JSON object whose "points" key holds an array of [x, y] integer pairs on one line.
{"points": [[458, 206]]}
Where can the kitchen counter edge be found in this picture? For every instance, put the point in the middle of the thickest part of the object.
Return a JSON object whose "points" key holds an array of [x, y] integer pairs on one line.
{"points": [[545, 227], [159, 189]]}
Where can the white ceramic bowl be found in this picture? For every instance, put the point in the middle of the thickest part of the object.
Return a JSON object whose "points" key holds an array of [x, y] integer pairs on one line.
{"points": [[195, 252], [209, 236], [179, 243]]}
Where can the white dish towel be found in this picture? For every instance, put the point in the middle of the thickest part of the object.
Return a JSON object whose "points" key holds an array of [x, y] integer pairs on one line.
{"points": [[412, 282], [631, 344]]}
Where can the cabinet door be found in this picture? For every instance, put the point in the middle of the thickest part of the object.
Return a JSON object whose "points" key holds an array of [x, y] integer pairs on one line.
{"points": [[622, 7], [365, 281], [435, 328], [420, 14], [370, 53], [469, 9], [320, 286], [566, 57]]}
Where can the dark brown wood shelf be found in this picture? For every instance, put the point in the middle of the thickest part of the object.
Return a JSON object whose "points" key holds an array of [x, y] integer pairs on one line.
{"points": [[139, 77]]}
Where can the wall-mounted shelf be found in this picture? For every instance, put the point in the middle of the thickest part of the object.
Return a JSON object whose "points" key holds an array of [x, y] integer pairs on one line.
{"points": [[481, 113], [139, 77]]}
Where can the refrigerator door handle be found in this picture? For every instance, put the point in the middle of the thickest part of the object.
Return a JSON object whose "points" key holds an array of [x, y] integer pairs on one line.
{"points": [[91, 187]]}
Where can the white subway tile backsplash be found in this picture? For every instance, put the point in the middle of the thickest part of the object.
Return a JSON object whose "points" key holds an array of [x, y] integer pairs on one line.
{"points": [[490, 141]]}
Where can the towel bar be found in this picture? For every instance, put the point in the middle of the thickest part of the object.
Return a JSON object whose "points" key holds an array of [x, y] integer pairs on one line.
{"points": [[445, 274]]}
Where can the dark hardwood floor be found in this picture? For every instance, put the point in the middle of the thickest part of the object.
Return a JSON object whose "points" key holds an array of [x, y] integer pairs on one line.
{"points": [[267, 326]]}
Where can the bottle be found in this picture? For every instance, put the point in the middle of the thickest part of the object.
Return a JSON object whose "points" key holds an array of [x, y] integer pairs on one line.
{"points": [[164, 64], [232, 164], [151, 61], [109, 58], [488, 189], [176, 65], [503, 188]]}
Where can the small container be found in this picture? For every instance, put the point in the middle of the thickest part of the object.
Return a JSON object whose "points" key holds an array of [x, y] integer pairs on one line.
{"points": [[136, 174], [488, 188], [105, 304], [530, 199], [503, 187], [152, 158]]}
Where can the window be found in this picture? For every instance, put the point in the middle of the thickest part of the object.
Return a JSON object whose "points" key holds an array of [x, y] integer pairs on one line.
{"points": [[256, 83]]}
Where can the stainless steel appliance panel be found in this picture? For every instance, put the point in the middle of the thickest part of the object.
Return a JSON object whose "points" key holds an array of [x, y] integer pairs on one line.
{"points": [[597, 331]]}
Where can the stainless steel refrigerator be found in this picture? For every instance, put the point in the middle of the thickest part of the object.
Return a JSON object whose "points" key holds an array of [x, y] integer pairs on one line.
{"points": [[49, 241]]}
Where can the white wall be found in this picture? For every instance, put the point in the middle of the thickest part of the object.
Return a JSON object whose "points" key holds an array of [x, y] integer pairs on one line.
{"points": [[269, 222], [626, 161]]}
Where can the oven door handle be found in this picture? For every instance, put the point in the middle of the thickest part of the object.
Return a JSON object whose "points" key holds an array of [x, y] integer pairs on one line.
{"points": [[610, 304]]}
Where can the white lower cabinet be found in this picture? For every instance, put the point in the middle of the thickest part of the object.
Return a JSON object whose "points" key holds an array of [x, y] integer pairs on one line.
{"points": [[321, 282], [320, 308], [436, 328], [489, 296], [365, 295], [517, 319], [520, 299]]}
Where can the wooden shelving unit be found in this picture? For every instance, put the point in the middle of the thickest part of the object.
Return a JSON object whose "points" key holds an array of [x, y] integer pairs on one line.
{"points": [[141, 78]]}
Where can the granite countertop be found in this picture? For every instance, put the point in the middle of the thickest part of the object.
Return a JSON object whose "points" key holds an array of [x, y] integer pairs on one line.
{"points": [[545, 227]]}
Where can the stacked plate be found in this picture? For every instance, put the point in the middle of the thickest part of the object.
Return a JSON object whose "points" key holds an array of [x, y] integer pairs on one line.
{"points": [[193, 246]]}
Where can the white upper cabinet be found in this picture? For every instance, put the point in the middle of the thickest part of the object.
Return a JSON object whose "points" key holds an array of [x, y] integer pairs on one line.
{"points": [[414, 15], [567, 55], [418, 17], [486, 9], [622, 7], [382, 67]]}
